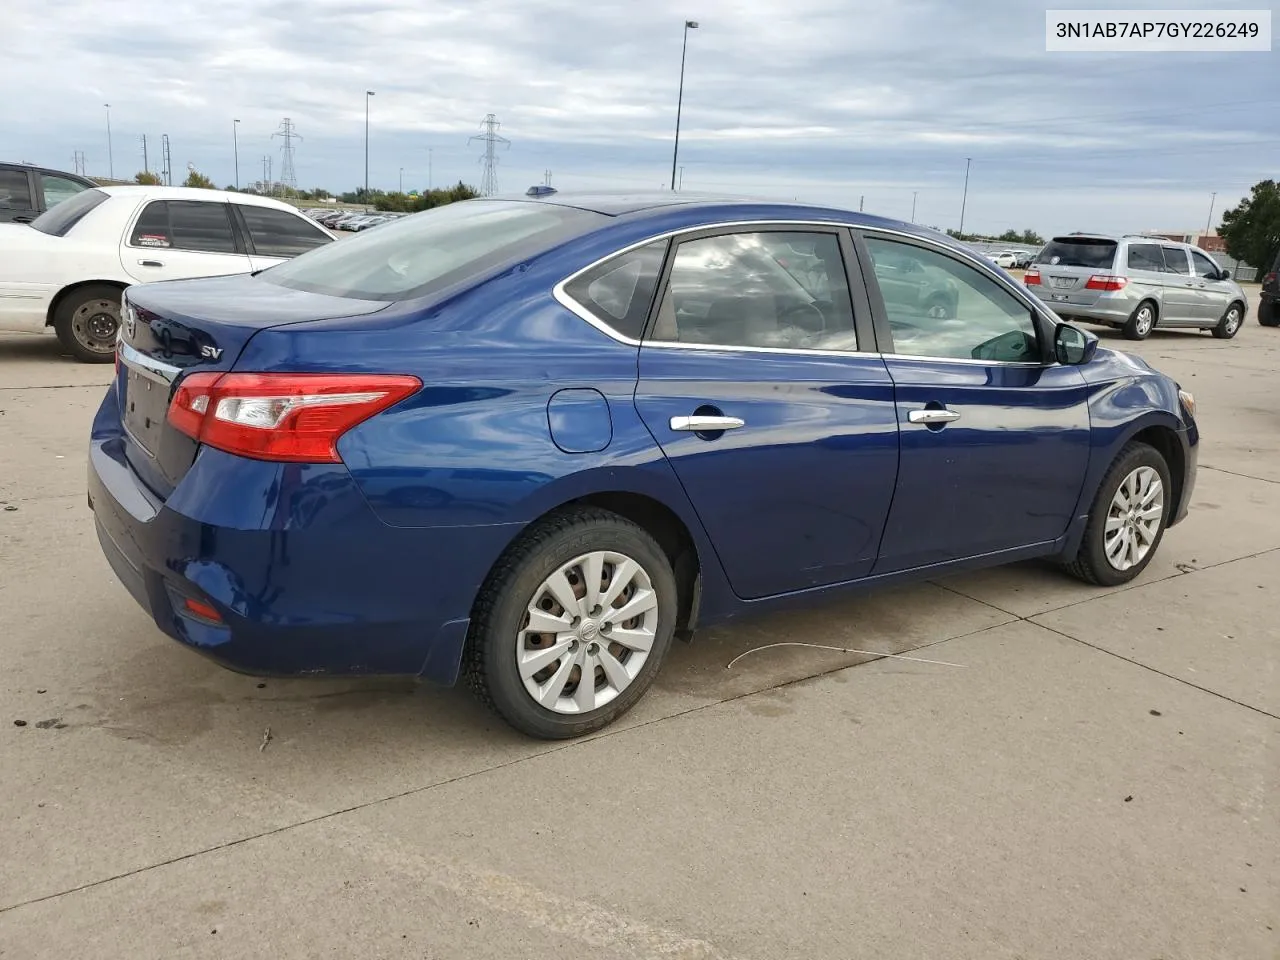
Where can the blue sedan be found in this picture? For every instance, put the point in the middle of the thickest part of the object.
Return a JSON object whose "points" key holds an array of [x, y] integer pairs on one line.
{"points": [[531, 441]]}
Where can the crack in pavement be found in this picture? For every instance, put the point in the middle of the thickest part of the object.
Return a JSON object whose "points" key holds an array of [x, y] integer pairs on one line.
{"points": [[1031, 619], [1243, 476]]}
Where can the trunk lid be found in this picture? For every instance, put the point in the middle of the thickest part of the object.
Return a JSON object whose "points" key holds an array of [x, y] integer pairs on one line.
{"points": [[175, 328], [1067, 263]]}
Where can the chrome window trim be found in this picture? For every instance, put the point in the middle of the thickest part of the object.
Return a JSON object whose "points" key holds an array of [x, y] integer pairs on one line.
{"points": [[573, 306]]}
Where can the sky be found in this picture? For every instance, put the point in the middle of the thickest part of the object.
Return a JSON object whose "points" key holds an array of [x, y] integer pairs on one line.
{"points": [[873, 104]]}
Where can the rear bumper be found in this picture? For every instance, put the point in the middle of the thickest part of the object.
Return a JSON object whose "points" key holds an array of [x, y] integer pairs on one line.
{"points": [[313, 584], [1113, 312]]}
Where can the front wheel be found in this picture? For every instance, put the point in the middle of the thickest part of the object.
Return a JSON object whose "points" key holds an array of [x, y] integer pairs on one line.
{"points": [[1269, 314], [1229, 325], [572, 625], [88, 321], [1127, 519]]}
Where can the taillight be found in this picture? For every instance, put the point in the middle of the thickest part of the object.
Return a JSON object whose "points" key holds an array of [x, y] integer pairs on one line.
{"points": [[1269, 279], [1104, 281], [291, 417], [1031, 278]]}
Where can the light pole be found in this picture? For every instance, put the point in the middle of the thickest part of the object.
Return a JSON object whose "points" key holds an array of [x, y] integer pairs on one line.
{"points": [[965, 199], [429, 169], [914, 194], [675, 153], [1208, 224], [111, 164], [367, 95], [402, 179], [235, 145]]}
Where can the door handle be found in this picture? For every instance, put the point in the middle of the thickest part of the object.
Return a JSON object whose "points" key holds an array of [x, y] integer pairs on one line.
{"points": [[151, 263], [933, 416], [704, 424]]}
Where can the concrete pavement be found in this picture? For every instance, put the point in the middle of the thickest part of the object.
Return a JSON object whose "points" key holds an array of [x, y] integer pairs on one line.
{"points": [[1097, 779]]}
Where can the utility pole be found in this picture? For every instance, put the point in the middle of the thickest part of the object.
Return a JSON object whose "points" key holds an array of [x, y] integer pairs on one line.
{"points": [[146, 164], [367, 95], [111, 164], [684, 49], [546, 177], [166, 160], [914, 194], [490, 139], [235, 146], [681, 181], [402, 179], [288, 178], [430, 178], [1208, 224], [964, 199], [861, 199]]}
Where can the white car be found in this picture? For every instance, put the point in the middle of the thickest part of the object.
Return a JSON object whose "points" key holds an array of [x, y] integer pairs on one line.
{"points": [[1005, 258], [67, 269]]}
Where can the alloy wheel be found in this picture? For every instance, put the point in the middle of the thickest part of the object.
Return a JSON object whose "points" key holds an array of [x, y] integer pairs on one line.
{"points": [[1133, 519], [1234, 316], [587, 632], [1146, 319]]}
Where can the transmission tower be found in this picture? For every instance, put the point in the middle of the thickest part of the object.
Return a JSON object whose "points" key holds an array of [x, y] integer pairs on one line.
{"points": [[166, 162], [77, 160], [490, 139], [287, 133]]}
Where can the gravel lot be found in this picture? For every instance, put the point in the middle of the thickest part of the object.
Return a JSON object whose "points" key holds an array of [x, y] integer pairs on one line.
{"points": [[1098, 780]]}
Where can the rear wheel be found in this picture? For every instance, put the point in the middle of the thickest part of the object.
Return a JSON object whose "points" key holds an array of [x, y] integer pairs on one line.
{"points": [[1269, 314], [1127, 519], [1230, 323], [573, 624], [88, 321], [1141, 321]]}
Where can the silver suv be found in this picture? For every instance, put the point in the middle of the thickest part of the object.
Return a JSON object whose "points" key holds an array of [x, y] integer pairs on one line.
{"points": [[1136, 283]]}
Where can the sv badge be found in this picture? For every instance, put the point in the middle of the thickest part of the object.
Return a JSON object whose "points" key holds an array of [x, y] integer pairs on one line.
{"points": [[210, 352]]}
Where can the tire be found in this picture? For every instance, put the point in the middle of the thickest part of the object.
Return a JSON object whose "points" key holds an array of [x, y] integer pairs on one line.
{"points": [[1230, 323], [939, 308], [1141, 322], [81, 322], [1269, 314], [1091, 563], [499, 633]]}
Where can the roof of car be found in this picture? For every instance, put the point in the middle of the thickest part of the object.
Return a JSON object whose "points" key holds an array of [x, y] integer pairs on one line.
{"points": [[194, 193]]}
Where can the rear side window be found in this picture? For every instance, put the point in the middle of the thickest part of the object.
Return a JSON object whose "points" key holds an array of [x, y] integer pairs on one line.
{"points": [[1092, 252], [58, 221], [277, 233], [429, 251], [1175, 261], [620, 291], [15, 191], [185, 225], [1145, 256], [58, 189]]}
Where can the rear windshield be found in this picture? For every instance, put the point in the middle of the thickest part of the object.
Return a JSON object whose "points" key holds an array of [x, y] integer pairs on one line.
{"points": [[413, 256], [1078, 252], [57, 221]]}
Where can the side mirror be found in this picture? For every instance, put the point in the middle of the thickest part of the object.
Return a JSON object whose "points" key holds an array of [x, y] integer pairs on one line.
{"points": [[1072, 346], [1224, 274]]}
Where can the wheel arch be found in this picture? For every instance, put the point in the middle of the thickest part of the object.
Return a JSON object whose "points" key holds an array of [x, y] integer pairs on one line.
{"points": [[1165, 441], [61, 296]]}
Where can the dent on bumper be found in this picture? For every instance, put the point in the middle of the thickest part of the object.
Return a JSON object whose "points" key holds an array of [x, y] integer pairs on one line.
{"points": [[322, 587]]}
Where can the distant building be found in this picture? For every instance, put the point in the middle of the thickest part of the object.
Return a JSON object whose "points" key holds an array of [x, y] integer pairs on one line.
{"points": [[1209, 242]]}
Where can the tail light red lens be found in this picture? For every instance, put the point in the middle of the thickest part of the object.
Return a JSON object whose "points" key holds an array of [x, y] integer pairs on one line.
{"points": [[1031, 278], [1102, 281], [1270, 278], [286, 417]]}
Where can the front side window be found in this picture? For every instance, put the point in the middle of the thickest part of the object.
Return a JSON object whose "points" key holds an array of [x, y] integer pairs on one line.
{"points": [[278, 233], [938, 306], [779, 289], [1175, 261], [1204, 267], [15, 190], [57, 189], [620, 291]]}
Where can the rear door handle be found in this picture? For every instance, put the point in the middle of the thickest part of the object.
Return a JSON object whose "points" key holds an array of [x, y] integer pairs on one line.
{"points": [[705, 424], [151, 263], [933, 416]]}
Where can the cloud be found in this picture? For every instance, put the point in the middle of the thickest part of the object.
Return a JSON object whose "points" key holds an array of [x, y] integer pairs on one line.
{"points": [[835, 100]]}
